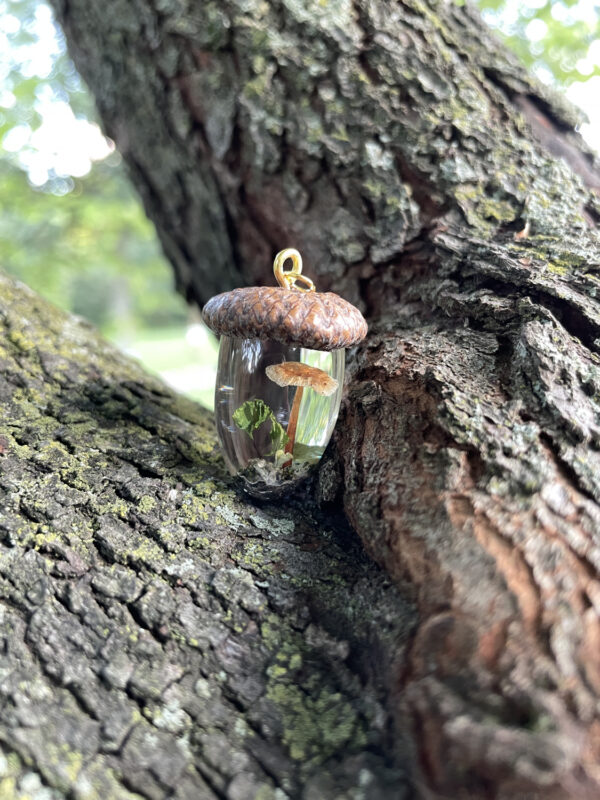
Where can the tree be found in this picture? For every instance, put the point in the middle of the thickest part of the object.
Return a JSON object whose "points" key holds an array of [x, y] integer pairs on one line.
{"points": [[118, 279], [427, 178]]}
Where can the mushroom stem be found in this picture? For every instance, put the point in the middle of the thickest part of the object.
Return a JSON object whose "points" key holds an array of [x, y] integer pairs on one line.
{"points": [[293, 423]]}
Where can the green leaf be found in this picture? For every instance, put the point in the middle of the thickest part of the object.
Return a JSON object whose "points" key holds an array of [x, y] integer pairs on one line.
{"points": [[278, 436], [251, 415]]}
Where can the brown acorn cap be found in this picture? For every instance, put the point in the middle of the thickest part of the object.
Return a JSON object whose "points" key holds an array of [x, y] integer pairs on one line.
{"points": [[315, 320]]}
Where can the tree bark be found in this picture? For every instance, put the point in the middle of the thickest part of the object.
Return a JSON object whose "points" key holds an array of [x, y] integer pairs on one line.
{"points": [[425, 177]]}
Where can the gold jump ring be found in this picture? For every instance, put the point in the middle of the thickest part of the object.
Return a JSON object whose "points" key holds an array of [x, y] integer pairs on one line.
{"points": [[287, 279]]}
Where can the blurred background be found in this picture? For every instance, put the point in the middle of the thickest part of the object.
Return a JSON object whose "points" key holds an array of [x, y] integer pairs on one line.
{"points": [[72, 228]]}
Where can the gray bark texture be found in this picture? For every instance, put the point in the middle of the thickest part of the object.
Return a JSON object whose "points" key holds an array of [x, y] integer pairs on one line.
{"points": [[195, 641]]}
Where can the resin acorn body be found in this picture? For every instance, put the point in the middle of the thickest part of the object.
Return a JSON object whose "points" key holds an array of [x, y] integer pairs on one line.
{"points": [[280, 376]]}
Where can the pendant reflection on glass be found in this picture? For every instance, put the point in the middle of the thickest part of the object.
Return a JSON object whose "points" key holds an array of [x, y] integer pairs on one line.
{"points": [[280, 375]]}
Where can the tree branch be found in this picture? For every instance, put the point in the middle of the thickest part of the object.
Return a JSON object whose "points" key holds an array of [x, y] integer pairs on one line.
{"points": [[163, 636]]}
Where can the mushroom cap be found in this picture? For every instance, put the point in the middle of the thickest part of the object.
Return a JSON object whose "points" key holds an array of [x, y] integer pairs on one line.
{"points": [[294, 373], [315, 320]]}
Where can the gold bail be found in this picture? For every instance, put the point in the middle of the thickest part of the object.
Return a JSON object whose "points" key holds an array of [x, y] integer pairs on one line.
{"points": [[287, 280]]}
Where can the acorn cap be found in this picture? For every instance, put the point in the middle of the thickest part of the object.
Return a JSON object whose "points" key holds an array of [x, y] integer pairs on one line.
{"points": [[315, 320], [294, 373]]}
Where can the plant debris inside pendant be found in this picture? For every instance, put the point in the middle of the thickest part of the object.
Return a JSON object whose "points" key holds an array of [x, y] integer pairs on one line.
{"points": [[280, 376]]}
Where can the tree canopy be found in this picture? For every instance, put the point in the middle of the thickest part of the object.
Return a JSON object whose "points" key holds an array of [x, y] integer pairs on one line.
{"points": [[83, 241]]}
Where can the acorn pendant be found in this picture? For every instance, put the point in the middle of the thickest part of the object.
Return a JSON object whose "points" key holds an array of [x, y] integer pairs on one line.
{"points": [[280, 375]]}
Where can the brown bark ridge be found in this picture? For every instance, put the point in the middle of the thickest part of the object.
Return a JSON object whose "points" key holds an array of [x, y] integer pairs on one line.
{"points": [[162, 637], [431, 182]]}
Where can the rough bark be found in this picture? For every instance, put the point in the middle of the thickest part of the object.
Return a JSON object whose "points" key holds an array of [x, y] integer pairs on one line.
{"points": [[428, 179], [162, 636]]}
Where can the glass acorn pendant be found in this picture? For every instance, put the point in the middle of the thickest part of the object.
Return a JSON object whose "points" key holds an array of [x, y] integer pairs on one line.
{"points": [[280, 375]]}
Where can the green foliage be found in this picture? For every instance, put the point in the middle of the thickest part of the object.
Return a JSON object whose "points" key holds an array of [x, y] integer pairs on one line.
{"points": [[252, 414], [278, 436], [84, 243], [91, 251], [553, 37], [30, 75]]}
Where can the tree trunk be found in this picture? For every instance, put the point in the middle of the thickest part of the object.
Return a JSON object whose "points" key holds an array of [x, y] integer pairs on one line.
{"points": [[426, 178]]}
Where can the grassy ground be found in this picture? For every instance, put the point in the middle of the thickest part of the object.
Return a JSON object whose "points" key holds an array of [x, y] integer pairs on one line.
{"points": [[185, 357]]}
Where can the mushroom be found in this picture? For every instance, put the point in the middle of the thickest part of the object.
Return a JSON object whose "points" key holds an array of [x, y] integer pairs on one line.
{"points": [[294, 373]]}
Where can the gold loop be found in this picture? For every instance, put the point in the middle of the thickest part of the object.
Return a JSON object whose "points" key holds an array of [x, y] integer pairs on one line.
{"points": [[287, 279], [310, 286]]}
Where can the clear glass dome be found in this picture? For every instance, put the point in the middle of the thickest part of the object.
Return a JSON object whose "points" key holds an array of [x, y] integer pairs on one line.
{"points": [[275, 408]]}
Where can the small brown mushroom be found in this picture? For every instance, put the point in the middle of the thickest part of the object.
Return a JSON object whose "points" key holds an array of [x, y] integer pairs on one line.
{"points": [[293, 373]]}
